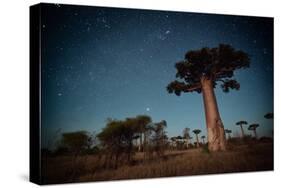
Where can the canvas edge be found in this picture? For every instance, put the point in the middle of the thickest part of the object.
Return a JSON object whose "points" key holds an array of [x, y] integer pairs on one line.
{"points": [[34, 95]]}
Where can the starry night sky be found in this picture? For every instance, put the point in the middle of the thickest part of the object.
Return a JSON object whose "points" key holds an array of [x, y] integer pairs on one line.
{"points": [[100, 63]]}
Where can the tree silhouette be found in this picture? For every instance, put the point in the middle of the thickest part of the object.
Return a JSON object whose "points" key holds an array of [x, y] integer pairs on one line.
{"points": [[227, 131], [241, 123], [76, 142], [117, 138], [253, 128], [160, 137], [142, 123], [196, 132], [268, 115], [186, 135], [203, 139], [200, 71]]}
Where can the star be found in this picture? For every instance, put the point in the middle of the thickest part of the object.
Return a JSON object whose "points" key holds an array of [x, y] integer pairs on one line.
{"points": [[107, 26], [59, 94]]}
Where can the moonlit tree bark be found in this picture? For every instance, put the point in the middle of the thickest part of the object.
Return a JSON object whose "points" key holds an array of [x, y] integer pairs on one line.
{"points": [[216, 136]]}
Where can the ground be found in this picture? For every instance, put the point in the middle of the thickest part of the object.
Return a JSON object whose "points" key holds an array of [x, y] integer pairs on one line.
{"points": [[197, 161]]}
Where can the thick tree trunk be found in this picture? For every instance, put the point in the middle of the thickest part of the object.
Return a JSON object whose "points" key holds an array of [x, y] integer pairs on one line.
{"points": [[216, 136], [242, 131]]}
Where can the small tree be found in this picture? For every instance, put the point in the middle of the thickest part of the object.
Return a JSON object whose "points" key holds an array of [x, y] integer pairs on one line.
{"points": [[186, 135], [253, 128], [203, 139], [241, 123], [118, 136], [160, 137], [201, 71], [196, 132], [269, 115], [76, 142], [117, 139], [142, 125]]}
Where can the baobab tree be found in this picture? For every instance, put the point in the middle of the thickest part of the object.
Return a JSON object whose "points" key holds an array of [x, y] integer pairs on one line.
{"points": [[196, 132], [201, 71], [203, 139], [228, 132], [186, 135], [268, 115], [253, 128], [241, 123]]}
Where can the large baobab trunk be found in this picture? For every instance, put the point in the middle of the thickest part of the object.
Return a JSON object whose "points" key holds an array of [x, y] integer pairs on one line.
{"points": [[216, 136]]}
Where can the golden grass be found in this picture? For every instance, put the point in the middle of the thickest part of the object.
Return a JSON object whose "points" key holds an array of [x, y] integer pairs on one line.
{"points": [[175, 163]]}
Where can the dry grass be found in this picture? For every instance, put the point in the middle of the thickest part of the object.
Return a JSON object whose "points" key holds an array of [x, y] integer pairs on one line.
{"points": [[175, 163]]}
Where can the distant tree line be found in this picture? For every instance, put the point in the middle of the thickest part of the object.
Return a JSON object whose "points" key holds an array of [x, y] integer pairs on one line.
{"points": [[119, 140]]}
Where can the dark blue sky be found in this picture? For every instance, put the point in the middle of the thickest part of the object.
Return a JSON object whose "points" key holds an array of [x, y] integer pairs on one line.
{"points": [[100, 63]]}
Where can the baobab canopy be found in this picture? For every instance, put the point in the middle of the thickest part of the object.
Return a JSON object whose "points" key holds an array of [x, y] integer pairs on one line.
{"points": [[241, 122], [253, 126], [200, 71], [217, 64], [269, 115]]}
